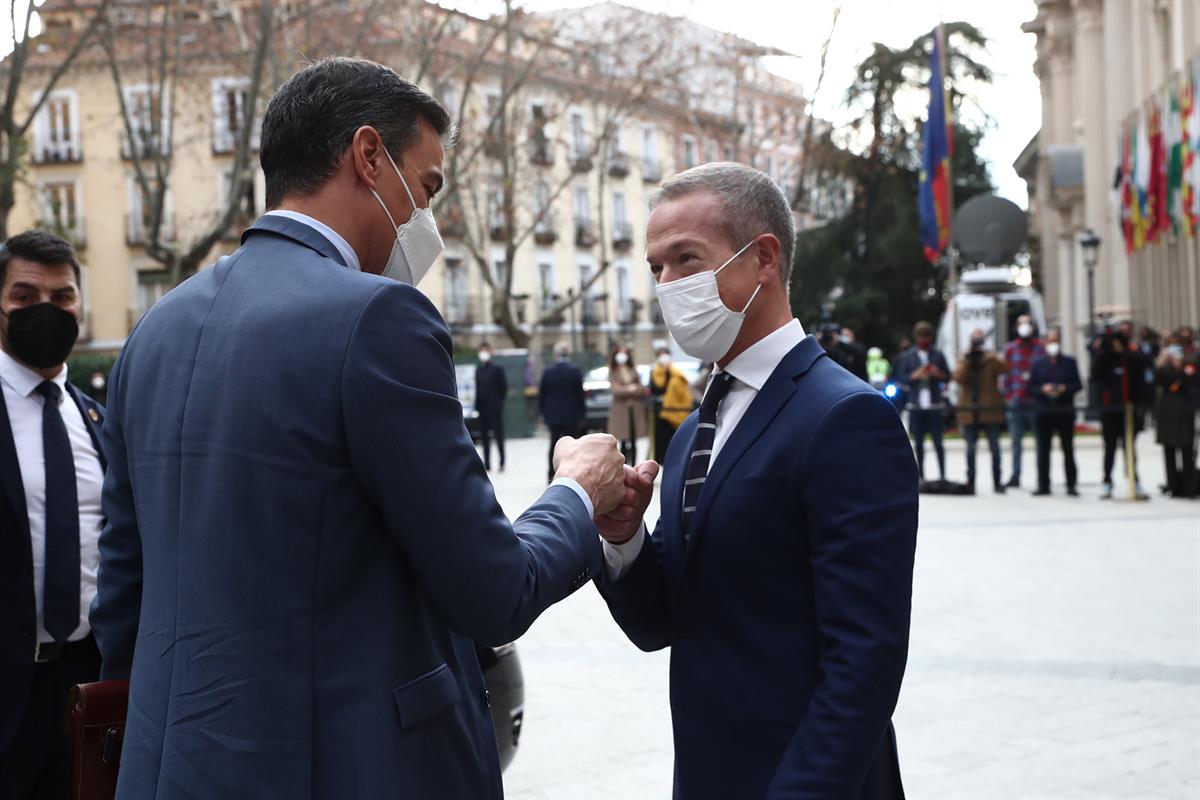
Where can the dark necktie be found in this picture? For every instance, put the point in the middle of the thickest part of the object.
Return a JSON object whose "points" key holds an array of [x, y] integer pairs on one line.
{"points": [[61, 589], [706, 435]]}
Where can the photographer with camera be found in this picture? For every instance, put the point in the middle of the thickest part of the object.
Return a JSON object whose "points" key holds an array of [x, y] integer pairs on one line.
{"points": [[839, 344], [978, 375]]}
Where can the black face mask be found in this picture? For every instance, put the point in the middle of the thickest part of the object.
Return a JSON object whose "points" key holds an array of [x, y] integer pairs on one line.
{"points": [[42, 335]]}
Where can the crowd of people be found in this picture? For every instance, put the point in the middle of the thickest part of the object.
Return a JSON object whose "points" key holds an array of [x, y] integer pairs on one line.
{"points": [[1031, 386]]}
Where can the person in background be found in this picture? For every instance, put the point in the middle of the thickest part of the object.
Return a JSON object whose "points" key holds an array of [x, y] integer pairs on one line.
{"points": [[627, 414], [1020, 354], [855, 355], [978, 375], [878, 368], [1149, 343], [491, 387], [1175, 375], [1118, 369], [1055, 381], [560, 399], [672, 399], [51, 470], [922, 372]]}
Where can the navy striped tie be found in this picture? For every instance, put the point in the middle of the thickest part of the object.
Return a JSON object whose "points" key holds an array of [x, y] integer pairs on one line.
{"points": [[706, 435], [60, 607]]}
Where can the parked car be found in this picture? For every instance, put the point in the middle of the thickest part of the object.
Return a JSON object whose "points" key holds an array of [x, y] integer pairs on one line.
{"points": [[597, 396], [506, 694]]}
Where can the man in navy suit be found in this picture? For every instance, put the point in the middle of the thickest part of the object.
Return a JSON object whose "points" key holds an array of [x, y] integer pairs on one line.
{"points": [[302, 544], [1054, 382], [51, 473], [780, 572], [491, 389], [560, 398]]}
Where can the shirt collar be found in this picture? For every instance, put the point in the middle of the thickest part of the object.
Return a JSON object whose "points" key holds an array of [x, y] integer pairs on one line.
{"points": [[343, 247], [756, 363], [23, 380]]}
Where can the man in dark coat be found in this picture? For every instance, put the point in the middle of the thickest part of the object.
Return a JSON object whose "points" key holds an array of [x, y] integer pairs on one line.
{"points": [[491, 387], [1054, 382], [560, 398], [1119, 369]]}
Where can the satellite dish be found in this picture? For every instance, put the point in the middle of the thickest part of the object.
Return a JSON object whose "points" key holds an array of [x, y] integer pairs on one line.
{"points": [[990, 230]]}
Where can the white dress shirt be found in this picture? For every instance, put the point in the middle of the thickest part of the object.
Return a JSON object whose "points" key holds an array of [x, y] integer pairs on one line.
{"points": [[351, 259], [335, 238], [25, 415], [750, 371]]}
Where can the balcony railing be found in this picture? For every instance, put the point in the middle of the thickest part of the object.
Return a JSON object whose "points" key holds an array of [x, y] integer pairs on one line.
{"points": [[57, 153], [547, 304], [451, 220], [460, 310], [592, 311], [651, 171], [585, 235], [622, 235], [137, 230], [544, 231], [541, 151], [581, 162], [628, 311], [149, 145], [618, 165], [498, 228], [656, 316]]}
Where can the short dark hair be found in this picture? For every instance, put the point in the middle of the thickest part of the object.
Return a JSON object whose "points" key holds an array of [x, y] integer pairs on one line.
{"points": [[311, 121], [40, 247], [922, 329]]}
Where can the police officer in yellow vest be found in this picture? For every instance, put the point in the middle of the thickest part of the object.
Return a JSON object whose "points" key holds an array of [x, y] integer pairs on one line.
{"points": [[672, 401]]}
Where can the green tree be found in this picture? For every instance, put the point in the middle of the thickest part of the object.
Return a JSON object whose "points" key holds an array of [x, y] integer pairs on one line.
{"points": [[866, 267]]}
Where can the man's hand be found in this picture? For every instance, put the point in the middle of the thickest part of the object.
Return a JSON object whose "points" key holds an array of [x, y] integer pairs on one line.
{"points": [[596, 464], [619, 525]]}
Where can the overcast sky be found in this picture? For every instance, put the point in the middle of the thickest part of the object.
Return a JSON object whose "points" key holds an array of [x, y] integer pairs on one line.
{"points": [[1014, 100]]}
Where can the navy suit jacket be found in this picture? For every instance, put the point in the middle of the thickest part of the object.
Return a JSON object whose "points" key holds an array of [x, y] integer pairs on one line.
{"points": [[787, 612], [1065, 371], [302, 542], [910, 362], [18, 609], [560, 396]]}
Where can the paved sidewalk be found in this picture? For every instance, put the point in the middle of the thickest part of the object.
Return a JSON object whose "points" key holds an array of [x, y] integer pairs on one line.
{"points": [[1055, 654]]}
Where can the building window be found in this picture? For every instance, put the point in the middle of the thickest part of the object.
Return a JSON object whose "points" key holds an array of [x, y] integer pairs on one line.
{"points": [[250, 203], [650, 148], [624, 300], [729, 152], [620, 217], [230, 100], [771, 167], [689, 152], [458, 306], [139, 222], [58, 205], [56, 129], [152, 286], [583, 206], [579, 143], [710, 151], [546, 284], [149, 119], [614, 141]]}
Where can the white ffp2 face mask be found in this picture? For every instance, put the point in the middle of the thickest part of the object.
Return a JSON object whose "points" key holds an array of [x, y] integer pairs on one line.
{"points": [[418, 242], [702, 325]]}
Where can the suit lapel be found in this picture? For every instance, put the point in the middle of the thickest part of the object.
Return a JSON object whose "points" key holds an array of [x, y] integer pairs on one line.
{"points": [[671, 504], [86, 412], [10, 469], [762, 411]]}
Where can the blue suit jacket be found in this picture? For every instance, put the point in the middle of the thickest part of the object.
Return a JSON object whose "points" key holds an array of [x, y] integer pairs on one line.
{"points": [[18, 609], [787, 613], [560, 396], [302, 542], [1065, 371]]}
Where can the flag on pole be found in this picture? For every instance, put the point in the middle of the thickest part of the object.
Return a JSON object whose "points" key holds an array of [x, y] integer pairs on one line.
{"points": [[1187, 133], [1125, 190], [934, 196], [1174, 148], [1156, 200], [1193, 133], [1141, 181]]}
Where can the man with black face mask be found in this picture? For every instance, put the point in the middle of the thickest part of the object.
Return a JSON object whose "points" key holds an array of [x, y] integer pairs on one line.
{"points": [[51, 471]]}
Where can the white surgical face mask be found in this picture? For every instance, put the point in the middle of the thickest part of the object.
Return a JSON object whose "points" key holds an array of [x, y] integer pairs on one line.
{"points": [[1024, 330], [485, 357], [665, 360], [695, 315], [622, 359], [1175, 350], [1053, 349], [418, 242]]}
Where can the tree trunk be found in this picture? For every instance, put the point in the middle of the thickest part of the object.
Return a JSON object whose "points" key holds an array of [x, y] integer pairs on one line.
{"points": [[502, 314]]}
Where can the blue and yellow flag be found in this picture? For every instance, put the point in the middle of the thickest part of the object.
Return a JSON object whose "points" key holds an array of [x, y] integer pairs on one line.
{"points": [[934, 198]]}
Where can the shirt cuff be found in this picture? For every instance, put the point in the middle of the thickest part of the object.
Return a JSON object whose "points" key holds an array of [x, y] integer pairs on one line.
{"points": [[574, 486], [618, 557]]}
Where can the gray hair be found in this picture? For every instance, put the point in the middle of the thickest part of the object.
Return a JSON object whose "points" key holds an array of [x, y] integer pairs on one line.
{"points": [[752, 202], [562, 349]]}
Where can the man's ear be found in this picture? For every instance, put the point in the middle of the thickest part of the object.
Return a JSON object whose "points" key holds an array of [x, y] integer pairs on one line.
{"points": [[366, 151], [767, 250]]}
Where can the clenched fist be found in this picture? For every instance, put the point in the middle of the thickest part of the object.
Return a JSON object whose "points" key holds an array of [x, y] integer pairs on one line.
{"points": [[595, 463]]}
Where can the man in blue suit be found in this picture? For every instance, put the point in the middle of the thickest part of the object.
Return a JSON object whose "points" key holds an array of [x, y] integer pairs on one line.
{"points": [[302, 544], [1054, 382], [560, 398], [780, 572]]}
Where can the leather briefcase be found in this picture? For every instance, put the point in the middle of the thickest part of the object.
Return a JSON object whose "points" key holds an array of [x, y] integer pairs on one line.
{"points": [[96, 723]]}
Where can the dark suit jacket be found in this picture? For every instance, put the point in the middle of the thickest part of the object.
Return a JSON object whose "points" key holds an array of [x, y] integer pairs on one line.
{"points": [[302, 544], [908, 364], [491, 387], [560, 396], [1065, 371], [18, 609], [787, 612]]}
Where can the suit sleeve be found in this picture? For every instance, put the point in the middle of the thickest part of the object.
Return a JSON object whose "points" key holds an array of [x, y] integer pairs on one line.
{"points": [[639, 599], [1074, 384], [862, 545], [116, 609], [411, 452]]}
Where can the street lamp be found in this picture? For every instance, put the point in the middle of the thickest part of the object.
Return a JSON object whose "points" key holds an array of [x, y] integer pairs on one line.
{"points": [[1089, 242]]}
